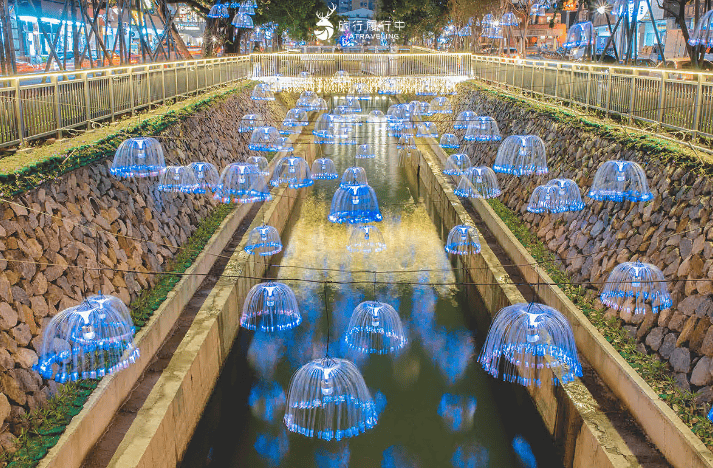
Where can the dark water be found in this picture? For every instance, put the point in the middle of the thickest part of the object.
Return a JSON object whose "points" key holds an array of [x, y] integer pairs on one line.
{"points": [[437, 407]]}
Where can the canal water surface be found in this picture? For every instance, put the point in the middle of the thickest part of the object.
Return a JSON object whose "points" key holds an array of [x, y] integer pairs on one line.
{"points": [[437, 407]]}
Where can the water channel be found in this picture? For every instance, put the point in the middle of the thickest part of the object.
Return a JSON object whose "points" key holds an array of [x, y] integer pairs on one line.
{"points": [[437, 407]]}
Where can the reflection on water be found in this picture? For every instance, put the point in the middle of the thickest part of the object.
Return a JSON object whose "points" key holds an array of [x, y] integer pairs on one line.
{"points": [[425, 394]]}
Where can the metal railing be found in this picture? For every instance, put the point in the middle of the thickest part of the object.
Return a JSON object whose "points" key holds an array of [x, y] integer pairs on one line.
{"points": [[676, 99], [43, 105], [325, 65]]}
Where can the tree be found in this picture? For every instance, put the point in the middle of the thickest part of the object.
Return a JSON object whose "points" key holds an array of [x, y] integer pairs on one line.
{"points": [[677, 9], [463, 11]]}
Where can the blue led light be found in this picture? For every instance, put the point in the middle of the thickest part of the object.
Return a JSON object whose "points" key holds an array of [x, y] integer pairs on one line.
{"points": [[521, 155], [636, 287], [463, 240], [618, 181], [242, 183], [354, 204], [556, 196], [270, 307], [138, 157], [449, 141], [263, 240], [375, 328]]}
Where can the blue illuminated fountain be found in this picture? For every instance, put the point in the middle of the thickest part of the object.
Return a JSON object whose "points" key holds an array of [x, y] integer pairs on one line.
{"points": [[353, 176], [179, 179], [295, 117], [262, 91], [390, 87], [270, 307], [264, 241], [219, 10], [250, 122], [341, 77], [366, 238], [457, 411], [361, 91], [482, 179], [206, 175], [509, 19], [456, 164], [636, 287], [328, 399], [463, 119], [260, 162], [326, 124], [88, 341], [482, 129], [463, 240], [521, 155], [324, 169], [242, 183], [703, 33], [375, 328], [579, 35], [420, 109], [427, 130], [365, 152], [354, 204], [556, 196], [284, 144], [264, 139], [526, 338], [618, 181], [293, 171], [441, 105], [247, 7], [243, 20], [406, 141], [376, 117], [138, 157], [449, 141]]}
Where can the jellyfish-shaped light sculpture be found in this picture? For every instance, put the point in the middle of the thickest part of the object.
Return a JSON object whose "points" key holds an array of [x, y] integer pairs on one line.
{"points": [[242, 183], [324, 169], [88, 341], [260, 162], [366, 239], [295, 117], [526, 338], [481, 129], [319, 105], [556, 196], [456, 164], [579, 35], [250, 122], [703, 33], [264, 139], [376, 117], [636, 287], [328, 399], [262, 92], [138, 157], [426, 88], [284, 144], [375, 328], [509, 19], [178, 179], [463, 240], [390, 87], [326, 125], [246, 8], [463, 119], [405, 155], [270, 307], [483, 180], [361, 91], [264, 241], [539, 9], [427, 130], [441, 105], [521, 155], [219, 10], [293, 171], [354, 204], [406, 142], [341, 77], [364, 152], [449, 141], [352, 176], [618, 181], [242, 20], [207, 176]]}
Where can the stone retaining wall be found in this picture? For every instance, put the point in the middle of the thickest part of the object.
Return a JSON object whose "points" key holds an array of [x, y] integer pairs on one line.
{"points": [[673, 231], [52, 234]]}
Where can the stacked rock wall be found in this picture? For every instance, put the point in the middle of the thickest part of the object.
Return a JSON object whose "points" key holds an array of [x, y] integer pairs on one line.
{"points": [[673, 231], [48, 241]]}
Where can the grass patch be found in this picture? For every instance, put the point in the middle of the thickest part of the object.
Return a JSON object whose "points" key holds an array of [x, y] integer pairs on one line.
{"points": [[19, 174], [656, 373], [46, 425]]}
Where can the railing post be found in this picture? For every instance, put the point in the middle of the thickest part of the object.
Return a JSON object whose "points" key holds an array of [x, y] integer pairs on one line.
{"points": [[57, 111], [112, 103], [18, 113], [632, 95], [662, 101], [131, 91], [699, 102], [148, 85], [609, 86], [88, 112], [589, 86], [557, 79]]}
